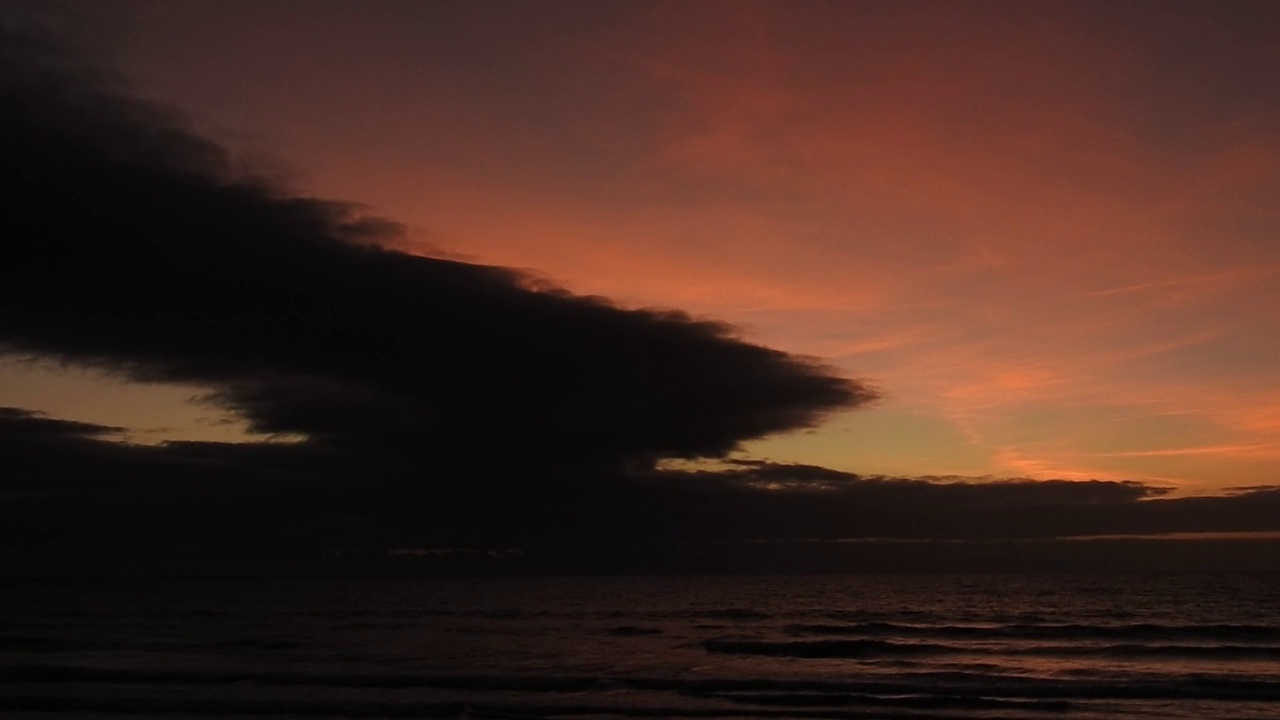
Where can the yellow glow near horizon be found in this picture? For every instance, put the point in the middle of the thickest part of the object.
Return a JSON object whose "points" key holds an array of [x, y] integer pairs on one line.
{"points": [[148, 413]]}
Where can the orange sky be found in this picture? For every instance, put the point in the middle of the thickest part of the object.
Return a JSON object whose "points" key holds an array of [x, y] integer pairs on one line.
{"points": [[1045, 230]]}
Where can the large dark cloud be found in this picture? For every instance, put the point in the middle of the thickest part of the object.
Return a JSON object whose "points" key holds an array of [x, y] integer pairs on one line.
{"points": [[754, 501], [439, 402], [129, 244]]}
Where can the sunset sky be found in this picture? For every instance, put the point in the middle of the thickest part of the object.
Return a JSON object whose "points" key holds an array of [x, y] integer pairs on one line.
{"points": [[1045, 233]]}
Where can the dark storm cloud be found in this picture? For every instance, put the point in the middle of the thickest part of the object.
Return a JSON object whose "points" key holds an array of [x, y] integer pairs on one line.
{"points": [[39, 452], [773, 502], [29, 426], [130, 245], [439, 402], [44, 455]]}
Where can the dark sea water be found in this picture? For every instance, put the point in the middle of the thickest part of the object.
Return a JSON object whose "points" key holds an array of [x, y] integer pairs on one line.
{"points": [[1087, 647]]}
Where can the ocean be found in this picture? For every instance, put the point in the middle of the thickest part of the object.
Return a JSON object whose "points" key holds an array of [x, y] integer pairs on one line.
{"points": [[1079, 647]]}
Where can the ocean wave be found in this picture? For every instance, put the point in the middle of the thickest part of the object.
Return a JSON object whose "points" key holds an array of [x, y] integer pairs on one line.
{"points": [[993, 685], [1219, 652], [52, 644], [1145, 631], [222, 707], [32, 643], [631, 631], [933, 702], [825, 648], [863, 648], [726, 613]]}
